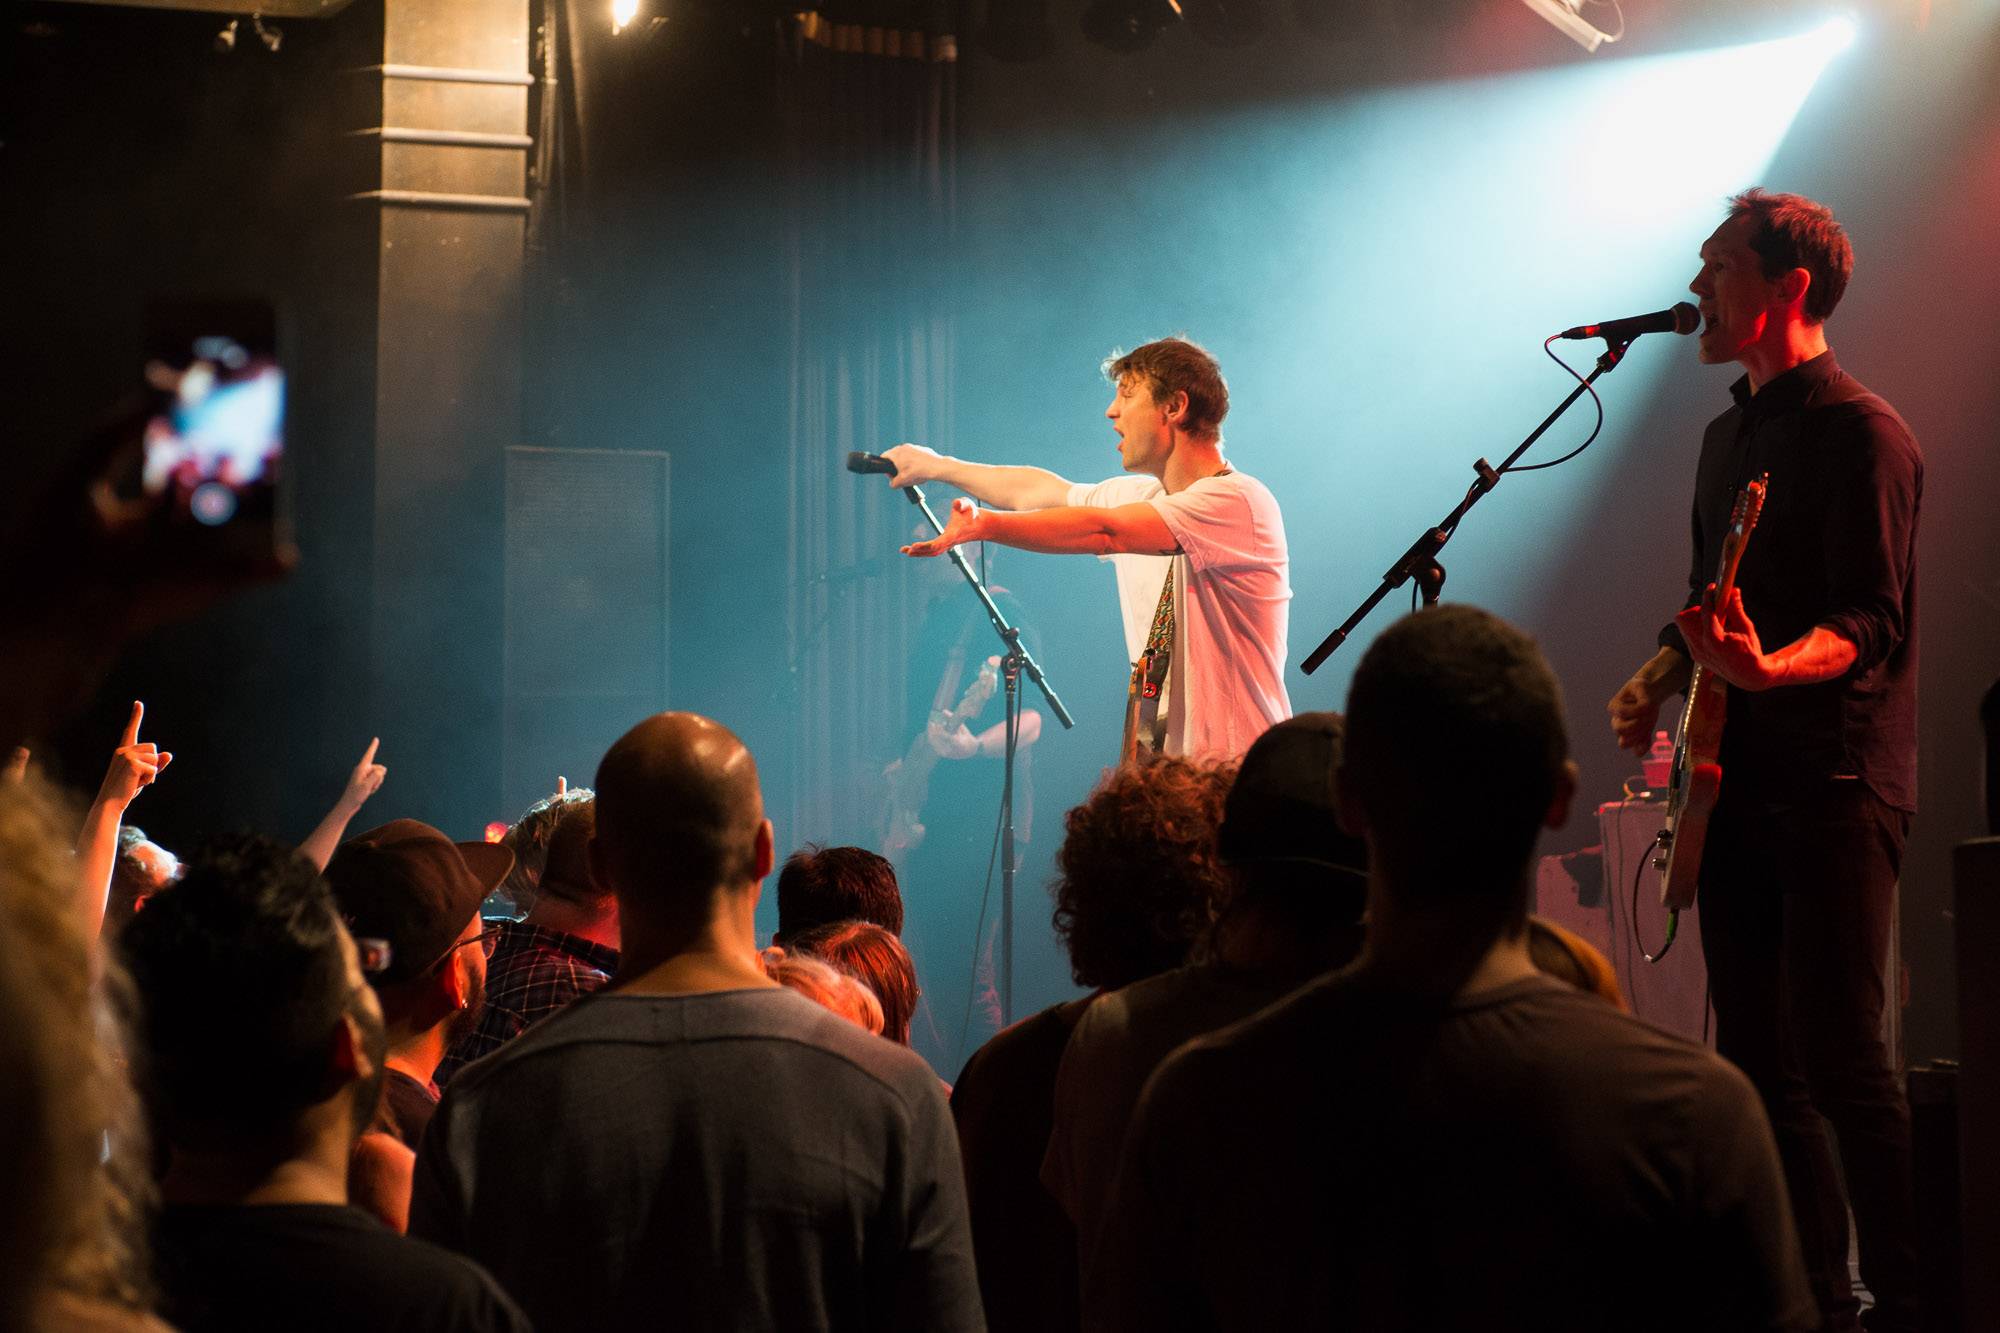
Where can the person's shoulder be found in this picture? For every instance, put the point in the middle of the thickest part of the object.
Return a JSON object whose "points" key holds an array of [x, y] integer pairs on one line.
{"points": [[1850, 412], [1036, 1041], [449, 1291], [1118, 1011], [895, 1068], [1264, 1043]]}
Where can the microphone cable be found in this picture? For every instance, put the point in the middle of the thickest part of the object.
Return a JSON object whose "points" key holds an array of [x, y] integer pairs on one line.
{"points": [[1548, 346]]}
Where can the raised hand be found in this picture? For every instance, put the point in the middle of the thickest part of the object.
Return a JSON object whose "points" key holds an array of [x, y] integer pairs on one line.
{"points": [[135, 764], [364, 781]]}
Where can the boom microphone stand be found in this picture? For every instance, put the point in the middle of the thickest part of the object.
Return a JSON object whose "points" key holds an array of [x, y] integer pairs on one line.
{"points": [[1420, 562], [1017, 659]]}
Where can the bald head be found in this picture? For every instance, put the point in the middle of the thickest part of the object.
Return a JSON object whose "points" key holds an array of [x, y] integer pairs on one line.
{"points": [[679, 814]]}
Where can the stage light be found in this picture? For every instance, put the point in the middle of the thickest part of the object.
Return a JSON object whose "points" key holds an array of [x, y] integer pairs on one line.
{"points": [[1837, 34], [496, 830], [622, 13], [1567, 18]]}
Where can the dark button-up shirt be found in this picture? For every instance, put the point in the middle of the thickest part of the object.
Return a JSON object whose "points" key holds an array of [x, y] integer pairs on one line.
{"points": [[533, 973], [1836, 546]]}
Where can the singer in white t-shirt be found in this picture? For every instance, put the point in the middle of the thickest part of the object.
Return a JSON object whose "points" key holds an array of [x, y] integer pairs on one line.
{"points": [[1220, 627]]}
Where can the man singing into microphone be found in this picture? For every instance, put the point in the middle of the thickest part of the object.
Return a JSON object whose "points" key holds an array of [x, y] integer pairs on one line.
{"points": [[1198, 548], [1819, 754]]}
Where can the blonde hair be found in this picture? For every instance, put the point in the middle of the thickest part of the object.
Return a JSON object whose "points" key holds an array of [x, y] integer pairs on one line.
{"points": [[825, 985], [88, 1190]]}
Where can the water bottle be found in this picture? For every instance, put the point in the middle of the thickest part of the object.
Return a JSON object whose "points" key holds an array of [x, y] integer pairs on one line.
{"points": [[1659, 761]]}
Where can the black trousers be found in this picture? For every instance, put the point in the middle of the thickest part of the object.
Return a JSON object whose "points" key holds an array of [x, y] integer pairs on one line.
{"points": [[1797, 895]]}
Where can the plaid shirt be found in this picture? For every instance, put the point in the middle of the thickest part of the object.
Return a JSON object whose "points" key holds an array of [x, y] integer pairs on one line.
{"points": [[534, 972]]}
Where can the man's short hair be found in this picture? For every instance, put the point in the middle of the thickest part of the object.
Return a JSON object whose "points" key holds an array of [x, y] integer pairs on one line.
{"points": [[818, 886], [1790, 231], [1175, 365], [1454, 747], [244, 977], [1138, 876]]}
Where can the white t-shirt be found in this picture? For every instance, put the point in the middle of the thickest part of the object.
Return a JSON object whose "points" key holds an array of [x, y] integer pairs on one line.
{"points": [[1231, 587]]}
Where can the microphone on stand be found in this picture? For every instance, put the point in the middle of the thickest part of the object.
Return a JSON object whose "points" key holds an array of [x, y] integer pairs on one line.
{"points": [[1681, 318], [860, 462]]}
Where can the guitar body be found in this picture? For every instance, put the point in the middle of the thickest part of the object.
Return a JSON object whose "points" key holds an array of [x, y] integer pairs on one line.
{"points": [[1697, 777]]}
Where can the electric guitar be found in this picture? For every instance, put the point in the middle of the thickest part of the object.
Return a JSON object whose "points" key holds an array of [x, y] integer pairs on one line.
{"points": [[1697, 773], [910, 776]]}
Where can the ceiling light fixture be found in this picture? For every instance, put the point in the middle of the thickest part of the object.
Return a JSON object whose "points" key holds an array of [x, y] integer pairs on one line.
{"points": [[1567, 17]]}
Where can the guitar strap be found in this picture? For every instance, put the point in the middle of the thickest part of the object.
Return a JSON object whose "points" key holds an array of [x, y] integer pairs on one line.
{"points": [[1145, 725]]}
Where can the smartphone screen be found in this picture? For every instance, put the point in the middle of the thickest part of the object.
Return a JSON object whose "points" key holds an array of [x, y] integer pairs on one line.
{"points": [[215, 441]]}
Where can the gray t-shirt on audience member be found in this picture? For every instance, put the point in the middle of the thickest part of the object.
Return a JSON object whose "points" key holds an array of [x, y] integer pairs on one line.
{"points": [[734, 1160]]}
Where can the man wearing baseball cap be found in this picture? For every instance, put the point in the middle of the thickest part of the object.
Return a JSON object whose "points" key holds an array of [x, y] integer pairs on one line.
{"points": [[409, 885], [1296, 915]]}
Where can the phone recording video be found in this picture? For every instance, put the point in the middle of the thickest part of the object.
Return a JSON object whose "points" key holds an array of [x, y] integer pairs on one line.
{"points": [[215, 440]]}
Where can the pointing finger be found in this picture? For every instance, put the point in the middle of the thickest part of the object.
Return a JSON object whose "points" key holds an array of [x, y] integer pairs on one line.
{"points": [[369, 757], [132, 723]]}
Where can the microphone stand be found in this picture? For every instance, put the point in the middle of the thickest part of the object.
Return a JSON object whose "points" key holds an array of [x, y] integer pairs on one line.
{"points": [[1420, 562], [1015, 661]]}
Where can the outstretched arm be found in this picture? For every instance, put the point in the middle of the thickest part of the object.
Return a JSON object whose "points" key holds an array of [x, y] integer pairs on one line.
{"points": [[361, 784], [134, 764], [1014, 488], [1066, 530]]}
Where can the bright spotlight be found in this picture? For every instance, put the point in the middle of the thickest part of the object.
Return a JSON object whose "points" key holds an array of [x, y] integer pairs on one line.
{"points": [[1838, 33], [622, 13]]}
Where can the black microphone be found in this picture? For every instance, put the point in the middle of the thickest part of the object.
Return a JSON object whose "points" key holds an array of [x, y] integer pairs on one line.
{"points": [[1683, 318], [860, 462]]}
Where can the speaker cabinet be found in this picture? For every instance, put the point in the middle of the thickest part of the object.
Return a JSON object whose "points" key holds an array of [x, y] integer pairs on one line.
{"points": [[586, 629]]}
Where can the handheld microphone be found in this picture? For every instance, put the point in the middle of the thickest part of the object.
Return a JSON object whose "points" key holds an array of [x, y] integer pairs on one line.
{"points": [[1682, 318], [860, 462]]}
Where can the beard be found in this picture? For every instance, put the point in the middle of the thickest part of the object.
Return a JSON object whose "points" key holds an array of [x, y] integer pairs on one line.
{"points": [[463, 1021]]}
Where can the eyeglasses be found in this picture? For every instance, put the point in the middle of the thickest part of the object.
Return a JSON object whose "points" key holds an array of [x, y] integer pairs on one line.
{"points": [[487, 940]]}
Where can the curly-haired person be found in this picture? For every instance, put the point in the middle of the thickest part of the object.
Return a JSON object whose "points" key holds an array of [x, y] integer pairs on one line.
{"points": [[1139, 880]]}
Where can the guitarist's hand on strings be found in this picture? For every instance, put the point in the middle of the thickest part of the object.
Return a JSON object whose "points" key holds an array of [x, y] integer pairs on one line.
{"points": [[1635, 709], [1724, 640], [961, 527]]}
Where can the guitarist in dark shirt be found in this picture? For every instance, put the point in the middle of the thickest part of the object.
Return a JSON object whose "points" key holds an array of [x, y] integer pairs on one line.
{"points": [[1819, 752]]}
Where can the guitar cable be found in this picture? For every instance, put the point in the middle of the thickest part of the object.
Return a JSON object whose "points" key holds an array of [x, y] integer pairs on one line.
{"points": [[1673, 917]]}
